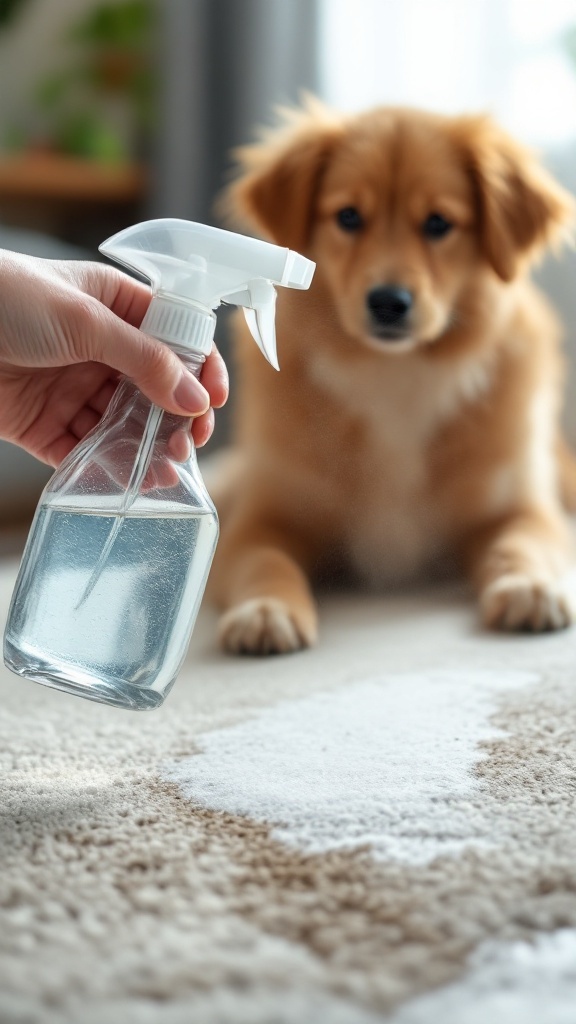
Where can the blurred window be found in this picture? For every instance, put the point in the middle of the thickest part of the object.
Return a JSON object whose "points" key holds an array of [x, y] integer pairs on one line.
{"points": [[513, 58]]}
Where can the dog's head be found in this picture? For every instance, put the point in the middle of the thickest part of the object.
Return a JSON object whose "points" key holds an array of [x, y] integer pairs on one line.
{"points": [[402, 210]]}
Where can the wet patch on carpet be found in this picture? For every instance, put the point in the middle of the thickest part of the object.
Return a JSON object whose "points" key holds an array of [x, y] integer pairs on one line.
{"points": [[333, 843], [519, 983], [387, 763]]}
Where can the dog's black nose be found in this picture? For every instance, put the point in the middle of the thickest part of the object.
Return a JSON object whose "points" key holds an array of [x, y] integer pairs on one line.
{"points": [[389, 305]]}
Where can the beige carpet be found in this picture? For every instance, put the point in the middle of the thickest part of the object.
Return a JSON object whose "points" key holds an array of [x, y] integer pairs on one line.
{"points": [[383, 829]]}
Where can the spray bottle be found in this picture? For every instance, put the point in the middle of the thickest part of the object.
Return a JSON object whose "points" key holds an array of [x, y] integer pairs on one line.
{"points": [[123, 538]]}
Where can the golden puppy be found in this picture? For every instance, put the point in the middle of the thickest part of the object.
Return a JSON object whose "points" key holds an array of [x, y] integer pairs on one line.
{"points": [[415, 418]]}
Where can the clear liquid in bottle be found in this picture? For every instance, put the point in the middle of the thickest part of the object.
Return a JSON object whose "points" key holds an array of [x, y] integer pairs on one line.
{"points": [[118, 638]]}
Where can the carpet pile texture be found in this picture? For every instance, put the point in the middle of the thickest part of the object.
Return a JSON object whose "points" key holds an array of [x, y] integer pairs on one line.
{"points": [[380, 830]]}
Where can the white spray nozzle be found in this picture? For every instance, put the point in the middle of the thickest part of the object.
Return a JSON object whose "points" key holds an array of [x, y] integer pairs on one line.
{"points": [[201, 266]]}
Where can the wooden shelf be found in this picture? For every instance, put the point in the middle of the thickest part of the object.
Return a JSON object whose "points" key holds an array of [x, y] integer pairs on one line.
{"points": [[39, 176]]}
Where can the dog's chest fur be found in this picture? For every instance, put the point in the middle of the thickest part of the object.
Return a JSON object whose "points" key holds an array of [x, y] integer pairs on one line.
{"points": [[397, 525]]}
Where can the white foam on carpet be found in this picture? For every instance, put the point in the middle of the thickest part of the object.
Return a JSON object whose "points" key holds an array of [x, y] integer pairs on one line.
{"points": [[388, 762], [515, 984]]}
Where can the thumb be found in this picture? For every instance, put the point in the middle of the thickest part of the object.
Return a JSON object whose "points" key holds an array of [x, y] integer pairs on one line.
{"points": [[155, 369]]}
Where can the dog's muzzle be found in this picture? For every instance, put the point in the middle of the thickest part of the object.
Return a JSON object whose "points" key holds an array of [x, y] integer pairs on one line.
{"points": [[389, 307]]}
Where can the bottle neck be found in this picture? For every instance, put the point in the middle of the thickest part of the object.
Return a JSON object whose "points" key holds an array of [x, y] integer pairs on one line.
{"points": [[193, 361], [186, 326]]}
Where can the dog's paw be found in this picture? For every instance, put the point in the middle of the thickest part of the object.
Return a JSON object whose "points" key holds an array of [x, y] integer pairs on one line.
{"points": [[266, 625], [520, 602]]}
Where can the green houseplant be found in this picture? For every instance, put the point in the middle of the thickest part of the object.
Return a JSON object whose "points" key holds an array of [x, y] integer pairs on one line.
{"points": [[100, 105]]}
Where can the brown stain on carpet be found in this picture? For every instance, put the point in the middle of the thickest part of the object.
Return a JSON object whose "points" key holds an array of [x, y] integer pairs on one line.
{"points": [[387, 932], [128, 890]]}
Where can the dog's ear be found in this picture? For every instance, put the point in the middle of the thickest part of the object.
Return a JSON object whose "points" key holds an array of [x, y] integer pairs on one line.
{"points": [[522, 209], [279, 175]]}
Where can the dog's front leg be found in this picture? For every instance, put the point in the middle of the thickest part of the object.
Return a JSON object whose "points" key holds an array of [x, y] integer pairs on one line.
{"points": [[518, 566], [267, 602]]}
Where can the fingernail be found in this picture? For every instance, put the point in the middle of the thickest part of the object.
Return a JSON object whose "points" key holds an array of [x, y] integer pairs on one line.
{"points": [[191, 396]]}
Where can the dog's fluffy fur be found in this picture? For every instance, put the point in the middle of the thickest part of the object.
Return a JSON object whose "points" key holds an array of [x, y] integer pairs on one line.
{"points": [[386, 455]]}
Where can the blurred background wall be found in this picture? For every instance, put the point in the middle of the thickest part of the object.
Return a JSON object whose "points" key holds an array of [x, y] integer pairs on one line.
{"points": [[115, 110]]}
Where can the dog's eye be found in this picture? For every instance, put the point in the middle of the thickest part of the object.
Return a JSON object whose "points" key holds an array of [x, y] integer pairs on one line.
{"points": [[349, 219], [436, 226]]}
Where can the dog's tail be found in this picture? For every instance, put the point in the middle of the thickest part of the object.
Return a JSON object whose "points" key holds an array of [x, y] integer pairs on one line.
{"points": [[567, 475]]}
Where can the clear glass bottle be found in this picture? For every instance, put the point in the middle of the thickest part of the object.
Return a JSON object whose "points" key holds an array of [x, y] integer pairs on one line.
{"points": [[117, 560], [121, 545]]}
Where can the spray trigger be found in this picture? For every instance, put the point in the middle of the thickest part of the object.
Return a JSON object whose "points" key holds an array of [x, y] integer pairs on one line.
{"points": [[258, 298]]}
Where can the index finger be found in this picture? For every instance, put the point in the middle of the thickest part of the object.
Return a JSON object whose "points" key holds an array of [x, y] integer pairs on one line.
{"points": [[124, 296], [129, 299]]}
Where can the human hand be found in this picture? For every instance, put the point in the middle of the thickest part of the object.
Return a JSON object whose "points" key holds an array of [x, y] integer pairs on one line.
{"points": [[67, 335]]}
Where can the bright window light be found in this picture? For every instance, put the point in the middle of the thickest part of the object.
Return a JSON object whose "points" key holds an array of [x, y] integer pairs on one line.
{"points": [[508, 57]]}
